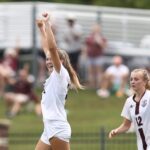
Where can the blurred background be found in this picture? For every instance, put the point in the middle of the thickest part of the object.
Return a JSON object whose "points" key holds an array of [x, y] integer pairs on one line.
{"points": [[109, 33]]}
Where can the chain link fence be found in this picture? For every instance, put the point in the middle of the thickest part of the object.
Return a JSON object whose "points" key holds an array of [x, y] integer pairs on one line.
{"points": [[79, 141]]}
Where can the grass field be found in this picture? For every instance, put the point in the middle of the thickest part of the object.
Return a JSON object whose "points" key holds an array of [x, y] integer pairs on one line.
{"points": [[87, 113]]}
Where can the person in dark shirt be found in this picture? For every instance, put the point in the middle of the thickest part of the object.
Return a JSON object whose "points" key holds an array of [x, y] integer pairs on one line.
{"points": [[95, 45], [21, 93]]}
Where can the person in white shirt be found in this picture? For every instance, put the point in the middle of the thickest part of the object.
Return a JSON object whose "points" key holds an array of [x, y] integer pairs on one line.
{"points": [[115, 78], [57, 131], [136, 109], [72, 40]]}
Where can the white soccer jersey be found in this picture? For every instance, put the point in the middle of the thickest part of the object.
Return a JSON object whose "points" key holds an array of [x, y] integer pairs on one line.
{"points": [[139, 114], [71, 44], [54, 95]]}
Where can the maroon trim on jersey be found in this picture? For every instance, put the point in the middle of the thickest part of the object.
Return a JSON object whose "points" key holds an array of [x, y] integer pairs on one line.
{"points": [[137, 103], [143, 138], [137, 108], [139, 123]]}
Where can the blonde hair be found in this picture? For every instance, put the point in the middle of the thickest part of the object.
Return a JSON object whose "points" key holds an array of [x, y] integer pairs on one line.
{"points": [[145, 75], [66, 63]]}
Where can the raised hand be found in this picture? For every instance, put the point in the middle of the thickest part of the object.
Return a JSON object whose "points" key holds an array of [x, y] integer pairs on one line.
{"points": [[39, 23], [46, 17]]}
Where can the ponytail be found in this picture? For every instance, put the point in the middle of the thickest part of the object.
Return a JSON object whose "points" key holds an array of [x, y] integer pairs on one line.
{"points": [[73, 76]]}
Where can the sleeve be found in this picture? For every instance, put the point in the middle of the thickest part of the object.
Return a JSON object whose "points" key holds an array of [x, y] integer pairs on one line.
{"points": [[110, 70], [62, 73], [78, 30], [63, 76], [125, 111], [126, 70]]}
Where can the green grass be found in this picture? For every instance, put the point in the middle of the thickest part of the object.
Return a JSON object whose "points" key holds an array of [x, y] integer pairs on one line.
{"points": [[86, 113], [87, 110]]}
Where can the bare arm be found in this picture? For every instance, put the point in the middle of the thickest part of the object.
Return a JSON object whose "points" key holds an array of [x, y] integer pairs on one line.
{"points": [[52, 47], [121, 129], [44, 43]]}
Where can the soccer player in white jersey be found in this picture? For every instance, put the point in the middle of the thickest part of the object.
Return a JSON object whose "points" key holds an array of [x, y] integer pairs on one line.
{"points": [[57, 131], [137, 109]]}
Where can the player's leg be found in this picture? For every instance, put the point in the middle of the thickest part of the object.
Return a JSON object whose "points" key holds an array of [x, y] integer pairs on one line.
{"points": [[58, 144], [42, 146]]}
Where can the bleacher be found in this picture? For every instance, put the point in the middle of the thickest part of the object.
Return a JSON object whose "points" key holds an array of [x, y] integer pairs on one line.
{"points": [[120, 26], [15, 23], [124, 28], [126, 25]]}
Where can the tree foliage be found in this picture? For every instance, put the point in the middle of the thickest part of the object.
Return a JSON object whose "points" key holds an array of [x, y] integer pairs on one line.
{"points": [[143, 4]]}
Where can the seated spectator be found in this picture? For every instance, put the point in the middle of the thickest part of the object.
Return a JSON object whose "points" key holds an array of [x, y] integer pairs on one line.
{"points": [[21, 94], [8, 66], [95, 45], [115, 77]]}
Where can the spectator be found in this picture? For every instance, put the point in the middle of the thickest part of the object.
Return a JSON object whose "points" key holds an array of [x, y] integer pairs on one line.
{"points": [[8, 66], [95, 45], [115, 77], [11, 59], [72, 40], [21, 94]]}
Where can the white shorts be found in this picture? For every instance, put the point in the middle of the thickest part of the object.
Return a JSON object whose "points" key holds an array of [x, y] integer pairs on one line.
{"points": [[98, 61], [17, 97], [59, 129], [21, 98], [148, 147]]}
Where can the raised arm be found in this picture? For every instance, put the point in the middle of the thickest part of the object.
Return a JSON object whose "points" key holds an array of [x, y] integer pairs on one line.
{"points": [[52, 47], [41, 26]]}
